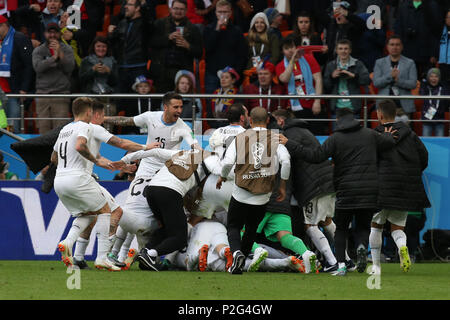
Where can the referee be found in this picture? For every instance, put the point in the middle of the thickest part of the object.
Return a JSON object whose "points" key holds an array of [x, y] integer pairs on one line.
{"points": [[256, 154]]}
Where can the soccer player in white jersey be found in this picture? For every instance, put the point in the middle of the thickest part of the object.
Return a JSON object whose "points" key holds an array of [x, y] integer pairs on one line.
{"points": [[165, 127], [99, 135], [208, 238], [76, 188], [212, 198]]}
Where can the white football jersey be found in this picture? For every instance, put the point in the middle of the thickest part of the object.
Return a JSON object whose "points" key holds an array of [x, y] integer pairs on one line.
{"points": [[69, 159], [220, 138], [98, 135], [169, 135]]}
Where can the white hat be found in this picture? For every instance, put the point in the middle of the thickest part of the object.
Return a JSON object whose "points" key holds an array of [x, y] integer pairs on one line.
{"points": [[261, 15]]}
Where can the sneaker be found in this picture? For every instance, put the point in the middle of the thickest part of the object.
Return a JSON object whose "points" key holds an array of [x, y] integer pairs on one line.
{"points": [[105, 263], [203, 258], [259, 256], [229, 258], [66, 253], [339, 272], [330, 268], [112, 257], [296, 264], [374, 270], [130, 259], [148, 261], [238, 263], [309, 260], [82, 264], [350, 265], [405, 262], [361, 259]]}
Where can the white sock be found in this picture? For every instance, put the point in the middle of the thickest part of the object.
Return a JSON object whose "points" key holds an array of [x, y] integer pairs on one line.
{"points": [[329, 231], [341, 265], [321, 243], [269, 264], [126, 246], [222, 252], [120, 238], [78, 226], [80, 249], [102, 227], [399, 237], [375, 242], [112, 240]]}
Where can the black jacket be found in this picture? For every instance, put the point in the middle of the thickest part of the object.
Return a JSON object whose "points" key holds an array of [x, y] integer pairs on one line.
{"points": [[419, 29], [129, 41], [400, 171], [284, 206], [354, 151], [22, 72], [309, 180], [224, 48]]}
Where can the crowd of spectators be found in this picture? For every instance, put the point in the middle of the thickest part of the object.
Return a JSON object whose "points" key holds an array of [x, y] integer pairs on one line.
{"points": [[214, 47]]}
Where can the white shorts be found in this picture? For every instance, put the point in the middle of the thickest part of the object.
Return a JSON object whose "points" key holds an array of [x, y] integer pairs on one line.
{"points": [[110, 199], [211, 233], [140, 225], [79, 193], [393, 216], [319, 208], [213, 199]]}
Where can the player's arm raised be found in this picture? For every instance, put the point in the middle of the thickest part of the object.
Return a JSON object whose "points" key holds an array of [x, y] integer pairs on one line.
{"points": [[120, 121], [130, 145], [82, 148]]}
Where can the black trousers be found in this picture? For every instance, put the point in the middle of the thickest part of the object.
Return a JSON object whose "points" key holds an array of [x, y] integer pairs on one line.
{"points": [[167, 206], [342, 219], [240, 214]]}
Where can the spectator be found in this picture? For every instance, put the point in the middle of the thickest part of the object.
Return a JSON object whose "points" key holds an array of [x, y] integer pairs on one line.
{"points": [[219, 107], [433, 109], [128, 40], [301, 76], [53, 62], [185, 84], [4, 173], [143, 85], [418, 25], [372, 42], [243, 20], [16, 70], [444, 52], [175, 43], [39, 19], [224, 46], [67, 37], [265, 85], [199, 12], [262, 45], [344, 76], [343, 24], [99, 72], [305, 35], [275, 20], [396, 75]]}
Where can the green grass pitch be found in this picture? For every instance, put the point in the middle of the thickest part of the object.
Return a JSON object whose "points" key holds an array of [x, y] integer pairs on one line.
{"points": [[47, 280]]}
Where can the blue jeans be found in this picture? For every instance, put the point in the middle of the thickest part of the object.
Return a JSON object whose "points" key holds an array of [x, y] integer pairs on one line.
{"points": [[427, 130], [12, 110]]}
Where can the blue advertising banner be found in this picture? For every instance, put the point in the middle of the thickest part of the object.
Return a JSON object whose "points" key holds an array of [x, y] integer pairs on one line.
{"points": [[32, 222]]}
